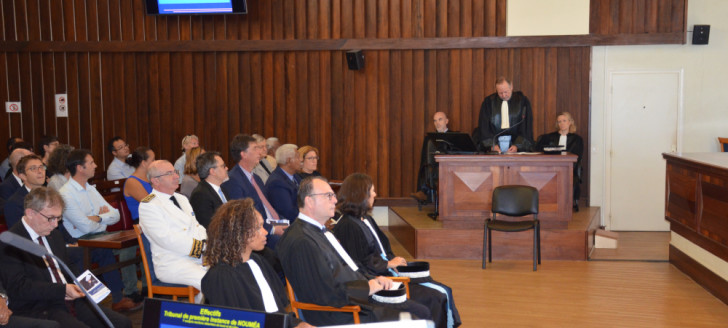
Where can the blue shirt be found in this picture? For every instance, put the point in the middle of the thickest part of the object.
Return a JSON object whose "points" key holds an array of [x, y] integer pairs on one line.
{"points": [[82, 203]]}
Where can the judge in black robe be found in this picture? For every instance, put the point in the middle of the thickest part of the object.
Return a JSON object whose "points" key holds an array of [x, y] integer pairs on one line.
{"points": [[320, 275], [574, 144], [231, 281], [520, 118], [356, 236]]}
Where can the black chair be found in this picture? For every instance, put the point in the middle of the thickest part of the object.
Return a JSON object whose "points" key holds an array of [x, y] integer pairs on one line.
{"points": [[513, 201]]}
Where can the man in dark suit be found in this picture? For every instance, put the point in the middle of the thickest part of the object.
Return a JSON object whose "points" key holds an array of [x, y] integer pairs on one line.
{"points": [[36, 285], [13, 182], [9, 320], [208, 195], [282, 188], [243, 183], [32, 172]]}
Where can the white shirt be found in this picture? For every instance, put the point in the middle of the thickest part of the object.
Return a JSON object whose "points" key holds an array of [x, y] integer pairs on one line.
{"points": [[119, 170], [82, 203], [34, 237]]}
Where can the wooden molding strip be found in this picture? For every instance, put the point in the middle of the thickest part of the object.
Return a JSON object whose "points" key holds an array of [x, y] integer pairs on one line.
{"points": [[700, 274], [344, 44]]}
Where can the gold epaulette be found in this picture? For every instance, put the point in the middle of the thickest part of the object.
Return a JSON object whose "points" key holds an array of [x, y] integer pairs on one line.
{"points": [[197, 247], [148, 198]]}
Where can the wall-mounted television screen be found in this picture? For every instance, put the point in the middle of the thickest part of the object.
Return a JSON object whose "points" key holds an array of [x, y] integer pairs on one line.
{"points": [[196, 7]]}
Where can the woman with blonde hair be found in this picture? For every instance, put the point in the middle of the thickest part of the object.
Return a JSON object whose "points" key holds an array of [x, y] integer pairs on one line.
{"points": [[565, 136], [310, 156]]}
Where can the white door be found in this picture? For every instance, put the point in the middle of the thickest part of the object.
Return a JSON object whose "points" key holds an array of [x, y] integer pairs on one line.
{"points": [[644, 124]]}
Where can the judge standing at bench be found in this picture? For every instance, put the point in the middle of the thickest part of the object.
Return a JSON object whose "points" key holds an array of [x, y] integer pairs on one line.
{"points": [[506, 122]]}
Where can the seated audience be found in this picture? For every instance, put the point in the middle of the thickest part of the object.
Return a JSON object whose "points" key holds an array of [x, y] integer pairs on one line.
{"points": [[57, 169], [12, 183], [566, 137], [238, 277], [321, 272], [188, 142], [264, 168], [244, 183], [282, 188], [36, 286], [310, 157], [5, 165], [208, 195], [46, 145], [118, 169], [87, 214], [191, 179], [272, 144], [32, 172], [362, 239], [175, 237]]}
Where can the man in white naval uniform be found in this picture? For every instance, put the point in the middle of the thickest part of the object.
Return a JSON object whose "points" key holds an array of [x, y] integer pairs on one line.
{"points": [[176, 238]]}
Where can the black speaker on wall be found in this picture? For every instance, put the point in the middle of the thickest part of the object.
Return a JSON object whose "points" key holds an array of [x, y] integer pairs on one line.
{"points": [[355, 59], [701, 34]]}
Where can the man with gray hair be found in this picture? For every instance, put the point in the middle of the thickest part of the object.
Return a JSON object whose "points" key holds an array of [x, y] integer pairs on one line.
{"points": [[208, 195], [176, 239], [273, 145], [281, 188], [264, 168]]}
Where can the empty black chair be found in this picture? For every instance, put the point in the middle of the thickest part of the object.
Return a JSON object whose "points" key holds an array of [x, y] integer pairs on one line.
{"points": [[513, 201]]}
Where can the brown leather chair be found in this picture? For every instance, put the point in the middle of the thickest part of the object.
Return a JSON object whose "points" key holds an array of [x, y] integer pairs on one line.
{"points": [[514, 201]]}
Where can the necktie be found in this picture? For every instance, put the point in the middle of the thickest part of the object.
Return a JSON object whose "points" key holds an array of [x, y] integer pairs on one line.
{"points": [[222, 196], [268, 300], [174, 200], [266, 204], [505, 116], [56, 275]]}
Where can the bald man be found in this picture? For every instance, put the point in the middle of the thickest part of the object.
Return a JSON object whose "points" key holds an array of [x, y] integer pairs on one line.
{"points": [[425, 192], [13, 182]]}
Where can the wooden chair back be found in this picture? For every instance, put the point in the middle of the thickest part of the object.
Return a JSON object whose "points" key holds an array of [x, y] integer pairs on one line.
{"points": [[297, 306], [153, 285], [723, 144]]}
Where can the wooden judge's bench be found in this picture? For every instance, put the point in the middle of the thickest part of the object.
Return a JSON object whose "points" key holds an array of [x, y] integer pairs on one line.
{"points": [[466, 186], [467, 183]]}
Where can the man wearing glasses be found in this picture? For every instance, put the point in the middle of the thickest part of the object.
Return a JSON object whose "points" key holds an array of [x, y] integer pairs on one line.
{"points": [[87, 215], [36, 287], [208, 195], [13, 182], [176, 239], [32, 172], [118, 169], [321, 272]]}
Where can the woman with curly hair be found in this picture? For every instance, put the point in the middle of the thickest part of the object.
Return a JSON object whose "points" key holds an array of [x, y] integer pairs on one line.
{"points": [[57, 169], [238, 277]]}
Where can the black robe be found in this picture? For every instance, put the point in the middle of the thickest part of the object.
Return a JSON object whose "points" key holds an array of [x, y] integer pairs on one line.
{"points": [[574, 145], [235, 286], [359, 242], [320, 276], [489, 122]]}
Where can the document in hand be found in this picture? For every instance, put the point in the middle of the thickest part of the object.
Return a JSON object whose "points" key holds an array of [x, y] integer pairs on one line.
{"points": [[93, 286]]}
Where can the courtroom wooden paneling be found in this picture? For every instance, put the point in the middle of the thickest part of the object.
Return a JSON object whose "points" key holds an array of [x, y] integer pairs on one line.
{"points": [[700, 274], [637, 16], [134, 75]]}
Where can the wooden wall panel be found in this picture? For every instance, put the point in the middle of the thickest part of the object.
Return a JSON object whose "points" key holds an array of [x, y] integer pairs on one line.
{"points": [[370, 120]]}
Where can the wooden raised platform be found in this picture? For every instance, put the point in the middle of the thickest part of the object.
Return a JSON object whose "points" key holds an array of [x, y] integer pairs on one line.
{"points": [[427, 239]]}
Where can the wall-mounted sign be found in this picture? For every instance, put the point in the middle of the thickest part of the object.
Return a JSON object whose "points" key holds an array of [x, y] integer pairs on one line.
{"points": [[12, 107], [61, 105]]}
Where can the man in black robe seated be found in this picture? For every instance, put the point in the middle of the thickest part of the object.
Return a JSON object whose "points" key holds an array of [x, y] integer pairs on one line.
{"points": [[321, 272], [238, 277], [362, 239], [427, 176], [505, 119]]}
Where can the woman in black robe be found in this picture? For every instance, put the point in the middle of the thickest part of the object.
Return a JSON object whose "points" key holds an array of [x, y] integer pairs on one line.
{"points": [[235, 232], [566, 136], [362, 239]]}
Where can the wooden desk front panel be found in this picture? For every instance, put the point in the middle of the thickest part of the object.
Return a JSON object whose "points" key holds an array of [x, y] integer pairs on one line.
{"points": [[467, 183]]}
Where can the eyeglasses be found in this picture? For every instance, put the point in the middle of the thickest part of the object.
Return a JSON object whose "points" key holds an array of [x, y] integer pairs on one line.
{"points": [[122, 147], [329, 195], [36, 168], [52, 218], [216, 166], [168, 173], [312, 158]]}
